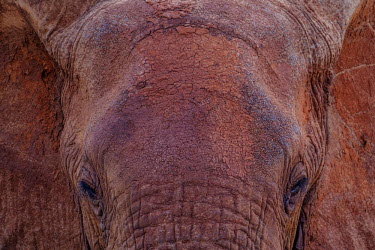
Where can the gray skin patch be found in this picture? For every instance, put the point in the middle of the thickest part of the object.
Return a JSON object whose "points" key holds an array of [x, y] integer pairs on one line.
{"points": [[272, 132]]}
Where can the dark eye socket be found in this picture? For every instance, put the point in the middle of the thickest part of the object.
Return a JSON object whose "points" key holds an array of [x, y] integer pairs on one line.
{"points": [[296, 187], [88, 190]]}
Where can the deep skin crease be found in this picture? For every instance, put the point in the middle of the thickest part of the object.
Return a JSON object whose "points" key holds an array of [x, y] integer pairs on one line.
{"points": [[182, 124]]}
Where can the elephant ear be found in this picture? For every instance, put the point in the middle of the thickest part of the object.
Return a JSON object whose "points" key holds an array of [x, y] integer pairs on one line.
{"points": [[343, 213], [37, 209]]}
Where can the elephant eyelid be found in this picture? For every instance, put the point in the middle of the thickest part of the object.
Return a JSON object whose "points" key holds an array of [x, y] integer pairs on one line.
{"points": [[88, 190]]}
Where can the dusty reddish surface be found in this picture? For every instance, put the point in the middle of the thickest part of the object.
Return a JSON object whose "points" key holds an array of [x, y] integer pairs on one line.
{"points": [[37, 208], [344, 212], [36, 202]]}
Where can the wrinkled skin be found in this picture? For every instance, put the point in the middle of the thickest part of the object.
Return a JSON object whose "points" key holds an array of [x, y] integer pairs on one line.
{"points": [[183, 125]]}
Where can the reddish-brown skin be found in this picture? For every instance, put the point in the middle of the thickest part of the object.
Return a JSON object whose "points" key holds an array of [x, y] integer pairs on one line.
{"points": [[184, 124], [343, 214], [37, 209], [187, 124], [187, 109]]}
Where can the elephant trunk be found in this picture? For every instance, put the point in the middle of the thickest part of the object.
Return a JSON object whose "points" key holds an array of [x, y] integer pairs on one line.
{"points": [[215, 214]]}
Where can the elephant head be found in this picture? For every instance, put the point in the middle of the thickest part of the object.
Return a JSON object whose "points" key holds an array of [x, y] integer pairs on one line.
{"points": [[183, 119]]}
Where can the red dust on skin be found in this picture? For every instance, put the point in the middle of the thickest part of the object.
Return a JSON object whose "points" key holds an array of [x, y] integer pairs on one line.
{"points": [[36, 202], [171, 9], [209, 90], [189, 107], [347, 189], [183, 102], [190, 116]]}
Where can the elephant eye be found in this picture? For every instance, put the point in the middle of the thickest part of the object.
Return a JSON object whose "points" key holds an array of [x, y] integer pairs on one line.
{"points": [[95, 198], [88, 190], [296, 187]]}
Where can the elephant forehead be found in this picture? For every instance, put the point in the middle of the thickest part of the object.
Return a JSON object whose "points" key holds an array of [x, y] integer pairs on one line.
{"points": [[209, 134], [187, 94], [182, 60], [119, 37]]}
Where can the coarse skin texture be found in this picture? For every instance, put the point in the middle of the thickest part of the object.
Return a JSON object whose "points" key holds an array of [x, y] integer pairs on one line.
{"points": [[37, 210], [186, 124], [343, 214]]}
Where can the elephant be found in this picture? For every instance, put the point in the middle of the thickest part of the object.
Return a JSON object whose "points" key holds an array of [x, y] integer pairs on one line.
{"points": [[188, 124]]}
